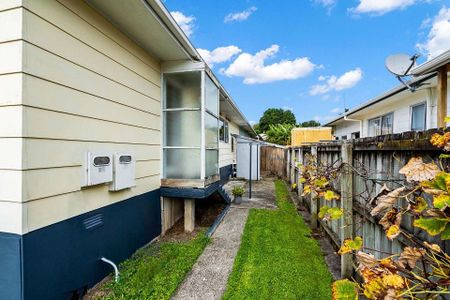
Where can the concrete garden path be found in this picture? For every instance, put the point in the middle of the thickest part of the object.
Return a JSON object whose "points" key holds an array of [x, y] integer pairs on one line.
{"points": [[209, 276]]}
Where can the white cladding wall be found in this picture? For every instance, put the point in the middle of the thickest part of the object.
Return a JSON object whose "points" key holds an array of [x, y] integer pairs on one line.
{"points": [[74, 83], [400, 106], [226, 156], [346, 128]]}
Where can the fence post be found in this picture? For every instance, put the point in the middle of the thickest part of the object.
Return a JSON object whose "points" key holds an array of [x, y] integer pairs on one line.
{"points": [[314, 202], [347, 206], [288, 165], [300, 174]]}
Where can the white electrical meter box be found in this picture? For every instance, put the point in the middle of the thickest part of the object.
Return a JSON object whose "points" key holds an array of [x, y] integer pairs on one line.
{"points": [[98, 168], [124, 172]]}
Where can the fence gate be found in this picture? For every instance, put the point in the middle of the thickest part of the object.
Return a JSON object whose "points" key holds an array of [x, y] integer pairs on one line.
{"points": [[273, 161]]}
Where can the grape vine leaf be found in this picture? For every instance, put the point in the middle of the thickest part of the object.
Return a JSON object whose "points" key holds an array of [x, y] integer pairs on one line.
{"points": [[417, 171], [344, 289], [433, 226], [387, 201]]}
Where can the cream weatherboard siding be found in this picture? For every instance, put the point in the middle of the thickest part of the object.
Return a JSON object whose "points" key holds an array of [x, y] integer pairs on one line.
{"points": [[72, 83], [11, 121], [226, 156]]}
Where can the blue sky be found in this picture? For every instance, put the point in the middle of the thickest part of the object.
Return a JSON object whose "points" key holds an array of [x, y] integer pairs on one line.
{"points": [[314, 57]]}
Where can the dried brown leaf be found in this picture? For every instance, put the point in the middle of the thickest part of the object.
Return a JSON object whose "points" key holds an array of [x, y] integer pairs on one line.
{"points": [[410, 256], [392, 217], [386, 202], [383, 191], [417, 171]]}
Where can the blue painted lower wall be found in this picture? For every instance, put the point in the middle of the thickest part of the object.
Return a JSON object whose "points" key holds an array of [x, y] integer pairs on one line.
{"points": [[54, 261]]}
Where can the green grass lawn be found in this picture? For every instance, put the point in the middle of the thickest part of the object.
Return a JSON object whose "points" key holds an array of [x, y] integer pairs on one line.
{"points": [[156, 271], [277, 258]]}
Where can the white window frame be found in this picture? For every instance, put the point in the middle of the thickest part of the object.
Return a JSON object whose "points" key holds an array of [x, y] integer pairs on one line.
{"points": [[381, 124], [203, 111], [425, 115]]}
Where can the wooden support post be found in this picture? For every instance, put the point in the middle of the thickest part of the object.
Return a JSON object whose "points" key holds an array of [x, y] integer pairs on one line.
{"points": [[189, 215], [442, 96], [347, 206], [314, 202]]}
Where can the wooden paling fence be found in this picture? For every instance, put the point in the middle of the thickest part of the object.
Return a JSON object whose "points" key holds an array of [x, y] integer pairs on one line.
{"points": [[381, 157], [273, 161]]}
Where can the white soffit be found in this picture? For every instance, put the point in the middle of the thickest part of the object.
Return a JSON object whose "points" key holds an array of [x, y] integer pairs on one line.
{"points": [[140, 22]]}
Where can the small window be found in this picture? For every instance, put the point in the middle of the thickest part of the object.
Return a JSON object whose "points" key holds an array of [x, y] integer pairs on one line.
{"points": [[356, 135], [418, 117], [381, 125], [223, 131], [344, 137], [374, 127]]}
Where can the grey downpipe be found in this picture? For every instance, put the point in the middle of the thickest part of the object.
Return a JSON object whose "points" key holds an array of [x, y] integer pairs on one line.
{"points": [[112, 264]]}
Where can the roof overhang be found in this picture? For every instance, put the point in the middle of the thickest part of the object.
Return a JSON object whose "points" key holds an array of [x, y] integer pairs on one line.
{"points": [[432, 65], [383, 97], [150, 25]]}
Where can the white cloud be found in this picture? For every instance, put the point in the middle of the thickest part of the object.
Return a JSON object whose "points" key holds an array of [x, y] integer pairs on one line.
{"points": [[240, 16], [219, 55], [439, 36], [345, 81], [380, 7], [336, 110], [326, 118], [288, 108], [254, 70], [328, 4], [186, 23]]}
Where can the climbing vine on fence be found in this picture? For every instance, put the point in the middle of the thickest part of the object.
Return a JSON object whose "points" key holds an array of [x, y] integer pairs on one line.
{"points": [[422, 269]]}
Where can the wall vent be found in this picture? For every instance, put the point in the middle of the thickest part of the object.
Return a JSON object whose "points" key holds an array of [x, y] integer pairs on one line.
{"points": [[93, 222]]}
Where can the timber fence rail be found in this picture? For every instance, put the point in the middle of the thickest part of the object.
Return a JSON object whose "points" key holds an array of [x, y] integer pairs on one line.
{"points": [[381, 157]]}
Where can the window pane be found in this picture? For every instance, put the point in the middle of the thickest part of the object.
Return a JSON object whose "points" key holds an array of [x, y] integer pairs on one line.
{"points": [[211, 96], [226, 132], [212, 162], [183, 90], [211, 131], [182, 163], [418, 117], [387, 124], [182, 128], [221, 130], [374, 127]]}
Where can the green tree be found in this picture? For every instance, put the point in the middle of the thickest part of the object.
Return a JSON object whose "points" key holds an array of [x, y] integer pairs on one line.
{"points": [[256, 128], [279, 134], [274, 116], [311, 123]]}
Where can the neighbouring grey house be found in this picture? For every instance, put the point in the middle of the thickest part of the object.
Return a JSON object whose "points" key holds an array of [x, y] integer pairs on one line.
{"points": [[399, 110], [111, 126]]}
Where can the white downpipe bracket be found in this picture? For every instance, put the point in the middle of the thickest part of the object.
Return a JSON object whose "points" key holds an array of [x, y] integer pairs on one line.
{"points": [[116, 270]]}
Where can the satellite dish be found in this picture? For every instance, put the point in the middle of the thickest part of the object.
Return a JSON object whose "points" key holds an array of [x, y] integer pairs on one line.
{"points": [[400, 65]]}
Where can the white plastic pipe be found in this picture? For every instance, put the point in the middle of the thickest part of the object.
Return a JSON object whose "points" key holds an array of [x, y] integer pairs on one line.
{"points": [[116, 270]]}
